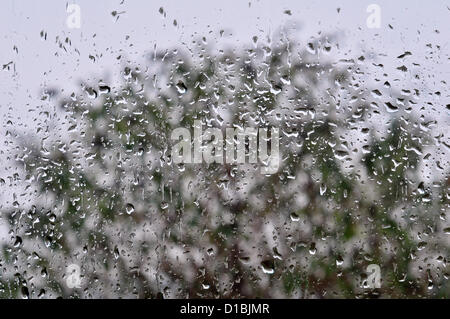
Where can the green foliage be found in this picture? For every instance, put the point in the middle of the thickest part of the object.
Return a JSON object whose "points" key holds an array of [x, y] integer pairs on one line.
{"points": [[111, 200]]}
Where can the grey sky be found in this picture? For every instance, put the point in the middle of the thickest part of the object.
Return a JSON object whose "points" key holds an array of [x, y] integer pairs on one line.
{"points": [[36, 62]]}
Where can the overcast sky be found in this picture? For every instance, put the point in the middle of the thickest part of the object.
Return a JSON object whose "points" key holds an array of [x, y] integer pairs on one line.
{"points": [[39, 63]]}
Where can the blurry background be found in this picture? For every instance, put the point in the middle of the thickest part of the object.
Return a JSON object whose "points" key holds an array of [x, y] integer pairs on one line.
{"points": [[87, 178]]}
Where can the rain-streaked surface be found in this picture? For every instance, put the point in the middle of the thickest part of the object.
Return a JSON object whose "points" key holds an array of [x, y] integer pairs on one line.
{"points": [[93, 203]]}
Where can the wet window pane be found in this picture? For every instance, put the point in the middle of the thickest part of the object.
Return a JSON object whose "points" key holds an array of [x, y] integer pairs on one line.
{"points": [[239, 149]]}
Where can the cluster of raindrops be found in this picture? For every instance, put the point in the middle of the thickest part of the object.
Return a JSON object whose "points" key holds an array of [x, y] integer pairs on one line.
{"points": [[362, 177]]}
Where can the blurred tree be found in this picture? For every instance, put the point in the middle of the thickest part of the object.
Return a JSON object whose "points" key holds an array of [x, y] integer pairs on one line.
{"points": [[348, 193]]}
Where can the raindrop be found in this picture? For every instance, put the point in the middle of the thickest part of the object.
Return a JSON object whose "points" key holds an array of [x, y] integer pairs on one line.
{"points": [[294, 217], [181, 87], [312, 249], [18, 242], [268, 267], [129, 209]]}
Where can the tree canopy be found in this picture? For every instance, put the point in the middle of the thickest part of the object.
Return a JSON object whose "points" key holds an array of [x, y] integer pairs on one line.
{"points": [[106, 195]]}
